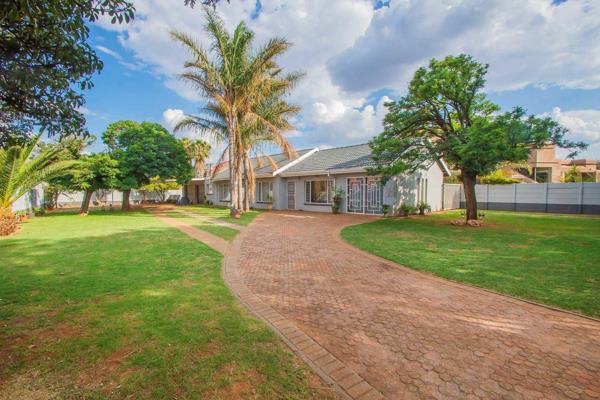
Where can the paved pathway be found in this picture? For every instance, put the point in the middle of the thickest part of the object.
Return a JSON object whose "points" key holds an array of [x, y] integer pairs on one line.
{"points": [[211, 240], [214, 221], [376, 329]]}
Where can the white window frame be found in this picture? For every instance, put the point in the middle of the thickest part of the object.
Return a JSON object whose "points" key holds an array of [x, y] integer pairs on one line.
{"points": [[222, 188], [262, 195], [308, 193]]}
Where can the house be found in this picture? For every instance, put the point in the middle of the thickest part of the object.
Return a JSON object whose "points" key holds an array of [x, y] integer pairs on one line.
{"points": [[547, 168], [307, 183]]}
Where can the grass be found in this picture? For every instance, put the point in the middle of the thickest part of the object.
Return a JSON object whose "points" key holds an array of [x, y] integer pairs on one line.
{"points": [[217, 230], [222, 213], [117, 305], [552, 259]]}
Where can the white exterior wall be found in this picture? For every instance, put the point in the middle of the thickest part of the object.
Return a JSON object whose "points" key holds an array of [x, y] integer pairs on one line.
{"points": [[398, 190], [33, 199]]}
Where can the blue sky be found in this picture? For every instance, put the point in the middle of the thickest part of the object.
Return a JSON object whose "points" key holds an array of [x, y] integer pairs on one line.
{"points": [[357, 54]]}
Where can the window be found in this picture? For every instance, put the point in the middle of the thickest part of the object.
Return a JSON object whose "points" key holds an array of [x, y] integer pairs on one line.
{"points": [[318, 192], [224, 194], [543, 175], [264, 192]]}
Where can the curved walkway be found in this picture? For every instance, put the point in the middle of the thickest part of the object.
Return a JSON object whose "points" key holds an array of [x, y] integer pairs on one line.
{"points": [[376, 329]]}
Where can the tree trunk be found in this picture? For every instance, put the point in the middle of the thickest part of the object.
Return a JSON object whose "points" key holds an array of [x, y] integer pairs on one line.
{"points": [[125, 202], [233, 176], [85, 204], [248, 189], [469, 180], [241, 189]]}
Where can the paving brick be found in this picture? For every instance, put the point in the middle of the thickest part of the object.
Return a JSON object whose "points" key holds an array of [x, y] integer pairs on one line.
{"points": [[349, 381], [358, 390], [408, 334]]}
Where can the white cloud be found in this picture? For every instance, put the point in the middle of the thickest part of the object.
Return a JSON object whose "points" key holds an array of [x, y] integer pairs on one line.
{"points": [[133, 66], [172, 116], [583, 125], [524, 41], [110, 52], [348, 50]]}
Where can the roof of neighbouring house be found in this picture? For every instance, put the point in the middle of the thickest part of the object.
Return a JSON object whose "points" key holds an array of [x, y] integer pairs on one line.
{"points": [[337, 158], [265, 169]]}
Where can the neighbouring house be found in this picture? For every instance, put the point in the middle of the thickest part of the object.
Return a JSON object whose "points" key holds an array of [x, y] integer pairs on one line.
{"points": [[307, 183], [547, 168]]}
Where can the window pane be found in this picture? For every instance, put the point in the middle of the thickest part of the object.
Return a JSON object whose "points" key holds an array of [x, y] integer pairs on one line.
{"points": [[307, 191]]}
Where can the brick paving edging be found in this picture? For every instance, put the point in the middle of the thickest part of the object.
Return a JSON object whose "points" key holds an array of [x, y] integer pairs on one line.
{"points": [[347, 383]]}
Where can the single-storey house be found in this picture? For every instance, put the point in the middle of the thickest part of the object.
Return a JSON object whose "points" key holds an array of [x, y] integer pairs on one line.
{"points": [[307, 183]]}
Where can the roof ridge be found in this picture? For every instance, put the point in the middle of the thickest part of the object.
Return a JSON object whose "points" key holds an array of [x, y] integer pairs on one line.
{"points": [[345, 147]]}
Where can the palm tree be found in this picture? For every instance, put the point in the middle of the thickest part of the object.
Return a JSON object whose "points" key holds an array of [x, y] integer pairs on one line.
{"points": [[258, 133], [21, 171], [198, 150], [235, 82]]}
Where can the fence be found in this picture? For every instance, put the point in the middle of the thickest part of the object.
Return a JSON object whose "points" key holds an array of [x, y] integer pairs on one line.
{"points": [[572, 198], [113, 197]]}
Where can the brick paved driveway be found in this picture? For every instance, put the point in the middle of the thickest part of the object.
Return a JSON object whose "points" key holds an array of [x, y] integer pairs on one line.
{"points": [[410, 335]]}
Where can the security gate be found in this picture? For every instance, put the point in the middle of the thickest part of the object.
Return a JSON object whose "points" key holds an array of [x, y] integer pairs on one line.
{"points": [[291, 195], [364, 195]]}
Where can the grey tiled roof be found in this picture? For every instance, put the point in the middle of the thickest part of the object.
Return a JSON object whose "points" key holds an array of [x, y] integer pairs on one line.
{"points": [[266, 169], [333, 159]]}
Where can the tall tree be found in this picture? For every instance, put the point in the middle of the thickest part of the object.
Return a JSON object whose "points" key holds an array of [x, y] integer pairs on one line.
{"points": [[445, 114], [21, 169], [46, 63], [94, 172], [234, 81], [144, 151]]}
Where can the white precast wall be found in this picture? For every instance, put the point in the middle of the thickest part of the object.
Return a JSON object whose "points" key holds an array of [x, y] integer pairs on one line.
{"points": [[571, 198], [111, 197]]}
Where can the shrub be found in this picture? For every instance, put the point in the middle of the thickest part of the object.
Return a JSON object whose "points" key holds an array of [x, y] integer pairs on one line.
{"points": [[386, 210], [338, 195], [497, 178], [406, 209], [423, 207]]}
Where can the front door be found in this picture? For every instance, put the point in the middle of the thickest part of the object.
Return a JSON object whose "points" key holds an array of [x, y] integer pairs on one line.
{"points": [[374, 193], [291, 195]]}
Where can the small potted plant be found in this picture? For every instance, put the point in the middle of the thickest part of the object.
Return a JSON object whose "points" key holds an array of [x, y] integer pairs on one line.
{"points": [[405, 209], [338, 196], [423, 208]]}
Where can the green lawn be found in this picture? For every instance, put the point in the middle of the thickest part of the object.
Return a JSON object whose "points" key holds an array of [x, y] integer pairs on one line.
{"points": [[222, 213], [217, 230], [123, 306], [552, 259]]}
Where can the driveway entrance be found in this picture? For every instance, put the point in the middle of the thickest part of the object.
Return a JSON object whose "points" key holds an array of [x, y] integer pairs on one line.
{"points": [[409, 335]]}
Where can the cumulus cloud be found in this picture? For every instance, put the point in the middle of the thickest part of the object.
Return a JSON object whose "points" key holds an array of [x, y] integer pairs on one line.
{"points": [[172, 116], [524, 41], [349, 50], [584, 124]]}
